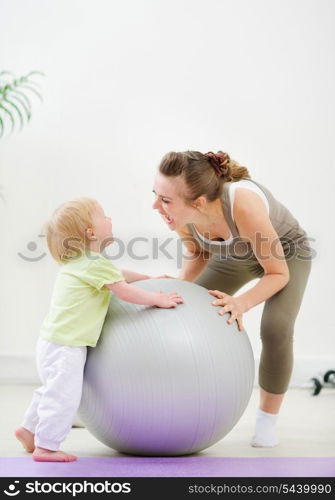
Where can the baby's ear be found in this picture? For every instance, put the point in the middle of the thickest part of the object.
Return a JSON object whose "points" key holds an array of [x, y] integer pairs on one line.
{"points": [[89, 233]]}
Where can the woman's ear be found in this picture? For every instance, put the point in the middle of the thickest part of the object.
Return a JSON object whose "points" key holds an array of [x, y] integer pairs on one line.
{"points": [[200, 203], [89, 233]]}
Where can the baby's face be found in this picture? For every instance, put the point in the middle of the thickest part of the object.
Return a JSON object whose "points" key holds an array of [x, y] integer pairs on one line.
{"points": [[102, 226]]}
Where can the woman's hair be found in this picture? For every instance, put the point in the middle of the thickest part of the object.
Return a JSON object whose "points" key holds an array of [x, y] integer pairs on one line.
{"points": [[66, 228], [204, 174]]}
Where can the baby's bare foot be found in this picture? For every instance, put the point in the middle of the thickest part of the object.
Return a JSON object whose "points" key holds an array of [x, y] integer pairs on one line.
{"points": [[44, 455], [26, 438]]}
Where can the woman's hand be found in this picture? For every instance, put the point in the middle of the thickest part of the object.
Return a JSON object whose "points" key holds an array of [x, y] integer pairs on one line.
{"points": [[233, 305]]}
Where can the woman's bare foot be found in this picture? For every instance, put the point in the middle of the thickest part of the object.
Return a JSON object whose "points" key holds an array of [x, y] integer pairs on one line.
{"points": [[26, 438], [44, 455]]}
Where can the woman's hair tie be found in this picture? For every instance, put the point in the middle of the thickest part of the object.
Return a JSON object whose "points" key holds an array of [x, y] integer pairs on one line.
{"points": [[220, 161]]}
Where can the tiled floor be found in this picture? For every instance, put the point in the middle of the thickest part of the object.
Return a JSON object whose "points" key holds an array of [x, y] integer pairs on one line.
{"points": [[305, 427]]}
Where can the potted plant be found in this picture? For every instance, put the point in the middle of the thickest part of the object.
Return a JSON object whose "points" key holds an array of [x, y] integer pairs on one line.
{"points": [[15, 101], [15, 104]]}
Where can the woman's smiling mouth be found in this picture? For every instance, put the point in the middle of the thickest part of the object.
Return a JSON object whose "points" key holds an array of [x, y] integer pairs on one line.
{"points": [[167, 218]]}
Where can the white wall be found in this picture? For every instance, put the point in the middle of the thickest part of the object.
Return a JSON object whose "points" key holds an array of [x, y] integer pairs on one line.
{"points": [[128, 81]]}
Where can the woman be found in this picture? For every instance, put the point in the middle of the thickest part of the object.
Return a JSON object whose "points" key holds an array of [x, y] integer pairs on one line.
{"points": [[234, 231]]}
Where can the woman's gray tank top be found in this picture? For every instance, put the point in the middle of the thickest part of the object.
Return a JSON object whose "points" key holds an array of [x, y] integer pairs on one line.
{"points": [[287, 227]]}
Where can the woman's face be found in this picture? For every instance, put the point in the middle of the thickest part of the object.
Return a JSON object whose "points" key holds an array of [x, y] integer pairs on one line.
{"points": [[169, 201]]}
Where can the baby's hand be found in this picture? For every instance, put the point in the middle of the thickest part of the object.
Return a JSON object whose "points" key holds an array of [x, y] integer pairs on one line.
{"points": [[169, 300]]}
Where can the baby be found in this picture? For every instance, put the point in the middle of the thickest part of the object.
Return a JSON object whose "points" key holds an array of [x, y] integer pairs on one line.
{"points": [[77, 233]]}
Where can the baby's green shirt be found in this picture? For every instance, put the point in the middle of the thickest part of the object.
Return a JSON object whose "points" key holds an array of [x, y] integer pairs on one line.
{"points": [[80, 300]]}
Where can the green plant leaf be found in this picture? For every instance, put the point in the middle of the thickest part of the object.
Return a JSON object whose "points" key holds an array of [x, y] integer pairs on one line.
{"points": [[23, 104], [2, 107], [35, 73], [17, 110], [33, 90], [2, 127], [15, 103], [23, 96], [5, 89], [6, 73]]}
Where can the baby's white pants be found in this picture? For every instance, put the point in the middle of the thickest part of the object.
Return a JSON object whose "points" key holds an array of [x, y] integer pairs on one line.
{"points": [[54, 404]]}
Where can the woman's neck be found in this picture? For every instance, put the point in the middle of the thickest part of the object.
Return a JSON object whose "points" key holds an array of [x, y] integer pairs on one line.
{"points": [[212, 216]]}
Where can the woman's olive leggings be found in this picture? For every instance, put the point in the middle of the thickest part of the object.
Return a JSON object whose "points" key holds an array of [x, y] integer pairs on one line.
{"points": [[279, 313]]}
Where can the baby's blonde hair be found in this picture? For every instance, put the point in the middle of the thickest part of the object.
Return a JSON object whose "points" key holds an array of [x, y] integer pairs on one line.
{"points": [[66, 228]]}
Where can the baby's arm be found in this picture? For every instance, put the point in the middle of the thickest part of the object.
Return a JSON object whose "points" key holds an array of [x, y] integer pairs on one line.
{"points": [[136, 295], [131, 276]]}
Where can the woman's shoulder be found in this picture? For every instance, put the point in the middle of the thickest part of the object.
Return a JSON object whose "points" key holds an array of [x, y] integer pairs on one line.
{"points": [[246, 191], [246, 184]]}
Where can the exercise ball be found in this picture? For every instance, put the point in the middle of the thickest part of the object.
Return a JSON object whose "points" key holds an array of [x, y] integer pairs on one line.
{"points": [[166, 382]]}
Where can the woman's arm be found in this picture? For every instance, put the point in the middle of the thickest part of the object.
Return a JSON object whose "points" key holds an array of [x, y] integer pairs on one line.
{"points": [[254, 224], [195, 260]]}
